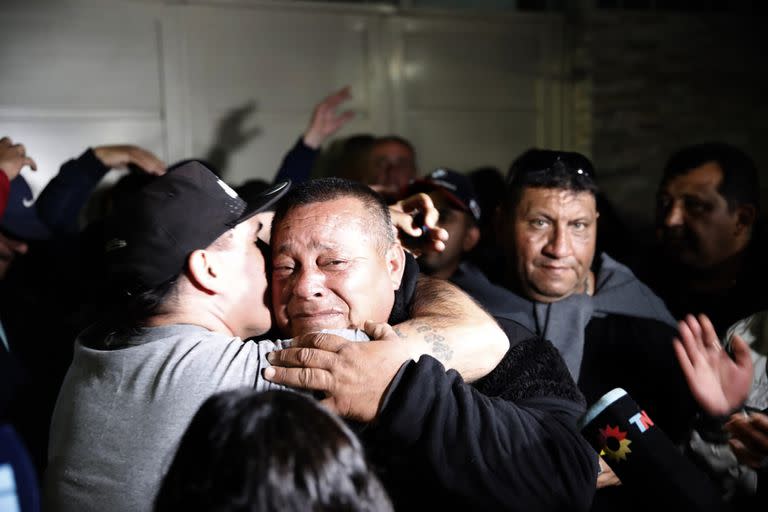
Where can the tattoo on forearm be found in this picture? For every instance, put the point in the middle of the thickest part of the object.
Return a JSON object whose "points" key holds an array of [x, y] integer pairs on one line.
{"points": [[400, 334], [440, 349]]}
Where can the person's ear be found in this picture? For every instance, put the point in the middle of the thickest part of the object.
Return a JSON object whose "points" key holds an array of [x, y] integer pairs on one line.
{"points": [[395, 264], [471, 238], [204, 271], [746, 215]]}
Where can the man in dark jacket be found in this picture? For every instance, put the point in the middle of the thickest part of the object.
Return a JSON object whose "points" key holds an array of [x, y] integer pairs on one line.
{"points": [[508, 442], [609, 327], [710, 252]]}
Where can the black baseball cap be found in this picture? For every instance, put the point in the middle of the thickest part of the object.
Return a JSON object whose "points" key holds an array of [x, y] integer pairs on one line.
{"points": [[149, 239], [457, 187]]}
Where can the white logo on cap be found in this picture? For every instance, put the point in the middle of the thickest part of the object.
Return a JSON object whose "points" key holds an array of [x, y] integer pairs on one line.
{"points": [[439, 173], [231, 193], [474, 208], [115, 244]]}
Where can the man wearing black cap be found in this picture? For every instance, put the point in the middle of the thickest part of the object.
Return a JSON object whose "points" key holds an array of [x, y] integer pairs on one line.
{"points": [[187, 272], [454, 196], [188, 282]]}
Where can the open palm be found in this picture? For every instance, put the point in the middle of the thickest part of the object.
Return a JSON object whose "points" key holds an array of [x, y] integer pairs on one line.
{"points": [[719, 383]]}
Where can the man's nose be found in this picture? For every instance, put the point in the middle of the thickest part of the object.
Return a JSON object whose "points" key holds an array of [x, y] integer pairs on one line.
{"points": [[309, 283], [400, 176], [674, 215], [559, 244]]}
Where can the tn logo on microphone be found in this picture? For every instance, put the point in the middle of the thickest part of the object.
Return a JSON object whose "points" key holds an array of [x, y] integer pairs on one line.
{"points": [[615, 443]]}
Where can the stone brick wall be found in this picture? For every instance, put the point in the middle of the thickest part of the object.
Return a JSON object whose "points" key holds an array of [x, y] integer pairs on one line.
{"points": [[657, 81]]}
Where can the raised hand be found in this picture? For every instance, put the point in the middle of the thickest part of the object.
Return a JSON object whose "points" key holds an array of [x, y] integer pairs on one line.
{"points": [[122, 155], [13, 158], [325, 120], [404, 213], [719, 384]]}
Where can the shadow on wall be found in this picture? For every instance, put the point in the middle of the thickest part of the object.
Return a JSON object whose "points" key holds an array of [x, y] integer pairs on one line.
{"points": [[232, 134]]}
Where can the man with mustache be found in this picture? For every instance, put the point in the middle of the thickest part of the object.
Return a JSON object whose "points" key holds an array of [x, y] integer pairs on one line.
{"points": [[710, 257], [610, 328], [506, 442]]}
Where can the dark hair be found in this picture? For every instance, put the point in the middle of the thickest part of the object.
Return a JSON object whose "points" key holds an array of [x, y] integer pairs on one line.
{"points": [[126, 306], [105, 200], [740, 183], [348, 158], [322, 190], [544, 168], [488, 183], [126, 188], [269, 451], [397, 139], [126, 312]]}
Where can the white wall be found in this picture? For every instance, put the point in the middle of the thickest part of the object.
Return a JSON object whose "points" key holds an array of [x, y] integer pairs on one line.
{"points": [[467, 90], [78, 74], [471, 92]]}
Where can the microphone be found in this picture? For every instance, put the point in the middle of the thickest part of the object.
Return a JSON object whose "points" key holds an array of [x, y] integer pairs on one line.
{"points": [[649, 465]]}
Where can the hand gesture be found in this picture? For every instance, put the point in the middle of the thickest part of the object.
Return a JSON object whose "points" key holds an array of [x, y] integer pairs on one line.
{"points": [[410, 216], [13, 158], [720, 384], [325, 120], [354, 376], [607, 477], [122, 155], [749, 438]]}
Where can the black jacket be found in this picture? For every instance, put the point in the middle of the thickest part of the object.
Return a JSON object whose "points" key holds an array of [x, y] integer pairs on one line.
{"points": [[509, 442]]}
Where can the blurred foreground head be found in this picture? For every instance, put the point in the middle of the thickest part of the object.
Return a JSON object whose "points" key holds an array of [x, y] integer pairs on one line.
{"points": [[271, 451]]}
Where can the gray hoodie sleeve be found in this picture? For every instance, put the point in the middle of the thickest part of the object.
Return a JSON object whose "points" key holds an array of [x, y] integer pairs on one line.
{"points": [[267, 346]]}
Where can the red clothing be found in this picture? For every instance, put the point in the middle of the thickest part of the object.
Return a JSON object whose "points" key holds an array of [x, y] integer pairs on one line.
{"points": [[5, 188]]}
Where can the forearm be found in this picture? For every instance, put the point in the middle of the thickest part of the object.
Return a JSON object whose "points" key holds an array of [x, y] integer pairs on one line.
{"points": [[449, 326], [297, 163], [65, 195]]}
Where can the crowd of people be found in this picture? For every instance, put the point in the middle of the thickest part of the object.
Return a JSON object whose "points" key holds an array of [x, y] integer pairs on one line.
{"points": [[359, 335]]}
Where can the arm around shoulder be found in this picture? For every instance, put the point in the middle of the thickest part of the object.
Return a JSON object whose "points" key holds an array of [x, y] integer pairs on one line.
{"points": [[454, 329]]}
